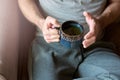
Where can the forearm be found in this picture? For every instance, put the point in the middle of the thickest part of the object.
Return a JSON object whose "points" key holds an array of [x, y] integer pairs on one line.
{"points": [[111, 13], [30, 10]]}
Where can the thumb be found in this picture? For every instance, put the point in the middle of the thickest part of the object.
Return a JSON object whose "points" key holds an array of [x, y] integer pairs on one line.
{"points": [[88, 17], [87, 14], [55, 23], [91, 24]]}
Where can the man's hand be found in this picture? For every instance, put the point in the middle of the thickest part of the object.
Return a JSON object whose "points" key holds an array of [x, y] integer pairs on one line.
{"points": [[94, 30], [49, 32]]}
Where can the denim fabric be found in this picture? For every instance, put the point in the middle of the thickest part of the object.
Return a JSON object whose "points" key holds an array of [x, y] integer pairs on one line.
{"points": [[55, 62], [100, 64]]}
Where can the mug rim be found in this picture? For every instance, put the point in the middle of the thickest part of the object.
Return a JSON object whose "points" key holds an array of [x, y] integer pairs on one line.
{"points": [[71, 37]]}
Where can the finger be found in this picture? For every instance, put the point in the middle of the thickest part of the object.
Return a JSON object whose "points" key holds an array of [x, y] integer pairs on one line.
{"points": [[54, 22], [55, 40], [52, 38], [88, 42], [53, 31], [90, 20], [87, 15], [89, 35]]}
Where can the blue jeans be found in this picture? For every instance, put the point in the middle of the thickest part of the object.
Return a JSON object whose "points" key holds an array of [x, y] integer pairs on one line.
{"points": [[100, 64], [54, 62]]}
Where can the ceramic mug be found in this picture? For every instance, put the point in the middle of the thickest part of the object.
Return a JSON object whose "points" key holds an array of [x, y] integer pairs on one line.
{"points": [[71, 34]]}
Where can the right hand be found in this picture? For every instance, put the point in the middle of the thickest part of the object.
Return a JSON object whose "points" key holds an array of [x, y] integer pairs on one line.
{"points": [[50, 34], [95, 30]]}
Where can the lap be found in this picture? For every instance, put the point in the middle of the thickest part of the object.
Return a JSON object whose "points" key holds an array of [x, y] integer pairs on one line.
{"points": [[100, 62], [49, 60], [52, 61]]}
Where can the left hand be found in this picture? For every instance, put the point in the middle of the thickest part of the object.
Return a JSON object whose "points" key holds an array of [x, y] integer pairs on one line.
{"points": [[94, 29]]}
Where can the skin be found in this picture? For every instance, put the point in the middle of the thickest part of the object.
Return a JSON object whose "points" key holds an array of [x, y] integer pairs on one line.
{"points": [[96, 24]]}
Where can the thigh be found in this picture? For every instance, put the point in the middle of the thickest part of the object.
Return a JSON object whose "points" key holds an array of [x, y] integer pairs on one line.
{"points": [[101, 63], [52, 61]]}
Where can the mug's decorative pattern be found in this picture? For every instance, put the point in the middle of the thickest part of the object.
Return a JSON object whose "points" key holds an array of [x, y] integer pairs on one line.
{"points": [[70, 40]]}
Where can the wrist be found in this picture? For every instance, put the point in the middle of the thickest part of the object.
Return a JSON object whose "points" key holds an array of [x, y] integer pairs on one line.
{"points": [[102, 21], [40, 22]]}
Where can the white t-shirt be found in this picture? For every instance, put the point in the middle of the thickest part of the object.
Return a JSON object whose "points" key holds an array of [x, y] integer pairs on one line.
{"points": [[64, 10]]}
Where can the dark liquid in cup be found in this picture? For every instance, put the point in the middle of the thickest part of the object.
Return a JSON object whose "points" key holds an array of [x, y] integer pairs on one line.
{"points": [[72, 30]]}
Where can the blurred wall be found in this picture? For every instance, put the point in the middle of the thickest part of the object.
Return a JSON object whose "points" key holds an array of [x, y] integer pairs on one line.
{"points": [[16, 34]]}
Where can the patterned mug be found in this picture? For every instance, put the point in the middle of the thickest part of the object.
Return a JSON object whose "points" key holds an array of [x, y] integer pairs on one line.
{"points": [[71, 34]]}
